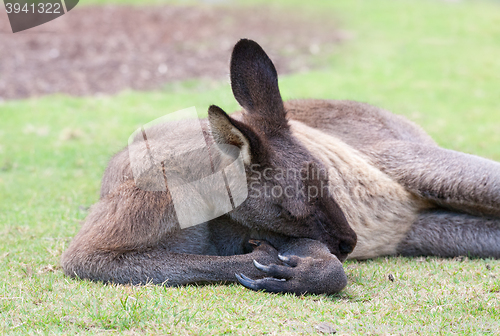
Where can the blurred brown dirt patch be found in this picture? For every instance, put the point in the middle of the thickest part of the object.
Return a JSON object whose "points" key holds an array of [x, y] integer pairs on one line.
{"points": [[108, 49]]}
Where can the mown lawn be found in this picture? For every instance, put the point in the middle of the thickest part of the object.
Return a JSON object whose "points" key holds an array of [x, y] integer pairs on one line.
{"points": [[436, 62]]}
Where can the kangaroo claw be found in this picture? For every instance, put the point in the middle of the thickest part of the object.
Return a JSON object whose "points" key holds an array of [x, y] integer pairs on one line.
{"points": [[246, 281], [261, 267], [255, 242], [291, 261], [267, 284], [283, 258]]}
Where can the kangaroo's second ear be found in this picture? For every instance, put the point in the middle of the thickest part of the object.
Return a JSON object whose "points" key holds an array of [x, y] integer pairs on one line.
{"points": [[254, 82], [227, 131]]}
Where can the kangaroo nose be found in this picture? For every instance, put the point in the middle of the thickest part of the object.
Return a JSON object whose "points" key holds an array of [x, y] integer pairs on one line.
{"points": [[346, 247]]}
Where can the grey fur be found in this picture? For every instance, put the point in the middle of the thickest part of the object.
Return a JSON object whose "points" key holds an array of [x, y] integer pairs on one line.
{"points": [[447, 234]]}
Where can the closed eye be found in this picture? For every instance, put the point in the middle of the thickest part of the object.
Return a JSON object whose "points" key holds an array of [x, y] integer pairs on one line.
{"points": [[284, 213]]}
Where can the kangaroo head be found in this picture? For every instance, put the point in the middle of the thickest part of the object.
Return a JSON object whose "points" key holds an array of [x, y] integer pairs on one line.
{"points": [[288, 187]]}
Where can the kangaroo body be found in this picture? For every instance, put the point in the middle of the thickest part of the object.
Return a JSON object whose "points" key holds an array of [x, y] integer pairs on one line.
{"points": [[403, 194], [379, 209], [387, 180]]}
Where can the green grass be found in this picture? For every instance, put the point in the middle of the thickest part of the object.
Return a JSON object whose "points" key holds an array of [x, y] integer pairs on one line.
{"points": [[436, 62]]}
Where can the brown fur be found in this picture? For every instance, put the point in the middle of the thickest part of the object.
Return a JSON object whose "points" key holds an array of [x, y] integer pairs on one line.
{"points": [[378, 174]]}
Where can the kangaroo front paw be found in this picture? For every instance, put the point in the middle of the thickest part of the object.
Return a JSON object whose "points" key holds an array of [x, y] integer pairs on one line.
{"points": [[299, 276]]}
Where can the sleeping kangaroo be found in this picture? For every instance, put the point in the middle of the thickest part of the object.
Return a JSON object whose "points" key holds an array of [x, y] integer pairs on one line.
{"points": [[385, 188]]}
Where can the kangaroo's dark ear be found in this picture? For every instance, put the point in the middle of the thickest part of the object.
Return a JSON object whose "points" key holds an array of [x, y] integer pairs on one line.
{"points": [[254, 81], [227, 131]]}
